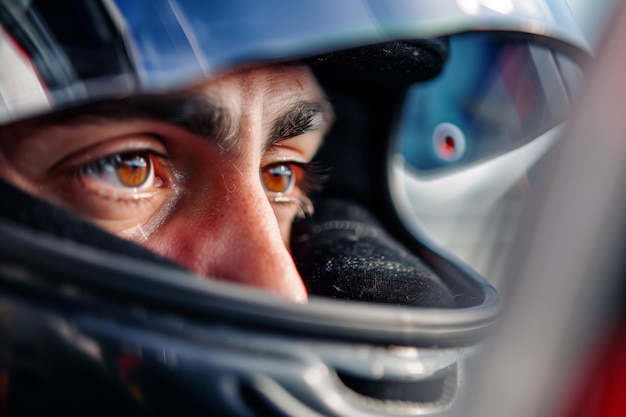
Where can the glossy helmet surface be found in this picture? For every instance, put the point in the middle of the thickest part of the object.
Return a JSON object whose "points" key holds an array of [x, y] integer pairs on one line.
{"points": [[91, 324]]}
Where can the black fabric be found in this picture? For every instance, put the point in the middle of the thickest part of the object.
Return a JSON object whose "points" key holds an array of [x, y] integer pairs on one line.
{"points": [[342, 252]]}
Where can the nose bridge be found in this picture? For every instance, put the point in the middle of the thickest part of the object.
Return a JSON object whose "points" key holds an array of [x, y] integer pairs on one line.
{"points": [[252, 222], [251, 248]]}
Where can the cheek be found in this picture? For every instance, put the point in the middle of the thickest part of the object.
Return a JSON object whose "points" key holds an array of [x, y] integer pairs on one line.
{"points": [[10, 174], [171, 239]]}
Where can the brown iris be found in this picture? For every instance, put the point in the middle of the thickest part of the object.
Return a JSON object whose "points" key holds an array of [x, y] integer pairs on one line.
{"points": [[132, 170], [279, 178]]}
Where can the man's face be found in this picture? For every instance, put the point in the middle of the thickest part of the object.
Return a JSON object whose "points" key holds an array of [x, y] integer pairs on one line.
{"points": [[211, 179]]}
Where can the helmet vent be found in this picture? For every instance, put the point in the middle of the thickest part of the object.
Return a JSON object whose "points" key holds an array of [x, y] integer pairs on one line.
{"points": [[437, 391]]}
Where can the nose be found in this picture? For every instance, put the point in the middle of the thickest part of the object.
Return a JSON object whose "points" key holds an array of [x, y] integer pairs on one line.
{"points": [[253, 252], [234, 236]]}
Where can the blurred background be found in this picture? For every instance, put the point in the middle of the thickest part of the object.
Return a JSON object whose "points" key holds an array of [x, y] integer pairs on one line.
{"points": [[593, 16]]}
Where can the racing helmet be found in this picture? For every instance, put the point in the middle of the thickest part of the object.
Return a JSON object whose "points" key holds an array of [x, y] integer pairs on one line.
{"points": [[426, 94]]}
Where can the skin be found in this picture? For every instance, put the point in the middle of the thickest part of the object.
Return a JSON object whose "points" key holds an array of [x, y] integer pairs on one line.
{"points": [[207, 205]]}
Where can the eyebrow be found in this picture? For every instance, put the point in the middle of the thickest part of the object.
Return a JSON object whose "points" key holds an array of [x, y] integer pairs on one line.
{"points": [[201, 114], [299, 118]]}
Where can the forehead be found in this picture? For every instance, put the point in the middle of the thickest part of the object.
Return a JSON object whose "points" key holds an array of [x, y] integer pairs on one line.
{"points": [[266, 85]]}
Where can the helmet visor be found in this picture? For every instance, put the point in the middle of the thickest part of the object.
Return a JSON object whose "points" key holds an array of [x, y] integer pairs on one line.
{"points": [[121, 47]]}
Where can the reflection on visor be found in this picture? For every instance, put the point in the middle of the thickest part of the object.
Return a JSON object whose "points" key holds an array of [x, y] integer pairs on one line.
{"points": [[495, 95]]}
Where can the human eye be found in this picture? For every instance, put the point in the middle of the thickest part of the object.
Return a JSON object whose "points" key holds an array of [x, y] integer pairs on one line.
{"points": [[128, 172], [289, 183], [119, 184]]}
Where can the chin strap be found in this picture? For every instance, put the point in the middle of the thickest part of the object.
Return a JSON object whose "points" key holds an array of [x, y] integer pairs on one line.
{"points": [[343, 252]]}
